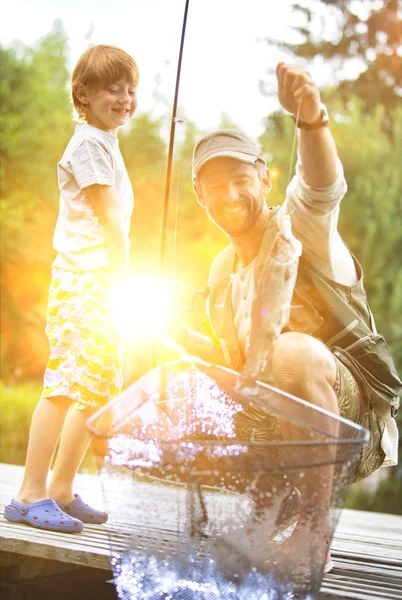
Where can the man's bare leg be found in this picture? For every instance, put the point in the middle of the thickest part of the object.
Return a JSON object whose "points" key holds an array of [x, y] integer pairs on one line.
{"points": [[304, 367]]}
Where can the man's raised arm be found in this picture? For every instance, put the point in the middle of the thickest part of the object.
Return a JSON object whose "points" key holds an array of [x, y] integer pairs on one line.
{"points": [[299, 95]]}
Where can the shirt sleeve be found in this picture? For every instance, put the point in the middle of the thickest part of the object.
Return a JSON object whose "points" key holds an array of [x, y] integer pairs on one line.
{"points": [[323, 200], [314, 214], [91, 163]]}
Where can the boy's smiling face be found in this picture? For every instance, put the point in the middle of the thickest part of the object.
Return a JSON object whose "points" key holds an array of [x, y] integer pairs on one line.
{"points": [[111, 105]]}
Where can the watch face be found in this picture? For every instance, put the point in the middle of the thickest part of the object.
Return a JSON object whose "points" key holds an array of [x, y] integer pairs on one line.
{"points": [[324, 114], [322, 121]]}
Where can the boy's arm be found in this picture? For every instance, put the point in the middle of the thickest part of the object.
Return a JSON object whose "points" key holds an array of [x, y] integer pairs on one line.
{"points": [[104, 201]]}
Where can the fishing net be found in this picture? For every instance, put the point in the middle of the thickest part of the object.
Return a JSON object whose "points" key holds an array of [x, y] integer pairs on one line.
{"points": [[218, 487]]}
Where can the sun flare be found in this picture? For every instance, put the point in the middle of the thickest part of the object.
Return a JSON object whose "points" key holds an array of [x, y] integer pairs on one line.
{"points": [[144, 305]]}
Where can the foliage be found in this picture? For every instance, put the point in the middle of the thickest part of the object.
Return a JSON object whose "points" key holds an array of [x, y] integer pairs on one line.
{"points": [[34, 99], [17, 403], [144, 153], [363, 34], [35, 105], [385, 499], [277, 142], [371, 213]]}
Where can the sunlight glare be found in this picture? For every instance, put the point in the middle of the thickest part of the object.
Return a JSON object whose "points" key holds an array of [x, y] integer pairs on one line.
{"points": [[145, 305]]}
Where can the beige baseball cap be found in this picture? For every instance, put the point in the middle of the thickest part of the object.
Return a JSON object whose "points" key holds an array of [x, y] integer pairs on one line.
{"points": [[230, 143]]}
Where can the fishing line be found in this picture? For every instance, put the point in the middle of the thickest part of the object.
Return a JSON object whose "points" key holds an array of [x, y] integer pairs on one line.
{"points": [[293, 152], [283, 49], [294, 138], [294, 143]]}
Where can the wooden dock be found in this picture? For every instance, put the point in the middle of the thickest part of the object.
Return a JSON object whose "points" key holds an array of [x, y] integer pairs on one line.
{"points": [[366, 549]]}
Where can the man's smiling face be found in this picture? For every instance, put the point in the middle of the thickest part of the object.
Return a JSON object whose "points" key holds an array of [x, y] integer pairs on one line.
{"points": [[233, 193]]}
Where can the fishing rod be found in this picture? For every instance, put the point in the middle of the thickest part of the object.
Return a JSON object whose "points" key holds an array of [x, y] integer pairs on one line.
{"points": [[171, 143]]}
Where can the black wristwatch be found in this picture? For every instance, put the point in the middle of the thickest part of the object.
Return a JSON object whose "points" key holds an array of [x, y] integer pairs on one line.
{"points": [[322, 121]]}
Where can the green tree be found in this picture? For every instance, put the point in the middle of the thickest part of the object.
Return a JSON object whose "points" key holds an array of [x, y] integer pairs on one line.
{"points": [[193, 223], [361, 35], [277, 142], [35, 105], [35, 124], [371, 210], [144, 152]]}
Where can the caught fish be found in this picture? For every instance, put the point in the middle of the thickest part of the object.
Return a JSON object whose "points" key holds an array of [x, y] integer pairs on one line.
{"points": [[271, 306], [270, 314]]}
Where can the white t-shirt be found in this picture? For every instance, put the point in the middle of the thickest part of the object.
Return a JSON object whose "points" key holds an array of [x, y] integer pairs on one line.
{"points": [[243, 289], [91, 157]]}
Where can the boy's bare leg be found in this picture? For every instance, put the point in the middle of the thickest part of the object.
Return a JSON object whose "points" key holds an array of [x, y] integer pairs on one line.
{"points": [[74, 442], [46, 426]]}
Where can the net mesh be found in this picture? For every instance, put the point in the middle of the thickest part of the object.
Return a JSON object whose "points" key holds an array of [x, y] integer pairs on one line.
{"points": [[219, 487]]}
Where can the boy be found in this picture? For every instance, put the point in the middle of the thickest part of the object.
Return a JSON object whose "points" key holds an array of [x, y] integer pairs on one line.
{"points": [[92, 243]]}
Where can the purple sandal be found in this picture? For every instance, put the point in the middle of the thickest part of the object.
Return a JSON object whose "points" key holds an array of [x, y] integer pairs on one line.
{"points": [[44, 514], [85, 513]]}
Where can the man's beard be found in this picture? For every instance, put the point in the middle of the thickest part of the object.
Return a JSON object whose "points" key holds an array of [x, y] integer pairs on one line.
{"points": [[234, 230], [248, 228]]}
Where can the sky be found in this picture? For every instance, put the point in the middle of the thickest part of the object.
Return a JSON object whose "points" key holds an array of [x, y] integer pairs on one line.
{"points": [[225, 55]]}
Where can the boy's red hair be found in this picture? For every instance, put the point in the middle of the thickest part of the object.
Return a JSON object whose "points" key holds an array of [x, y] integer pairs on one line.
{"points": [[101, 65]]}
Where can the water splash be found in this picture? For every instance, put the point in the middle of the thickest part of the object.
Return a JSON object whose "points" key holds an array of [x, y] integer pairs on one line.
{"points": [[209, 474], [141, 576]]}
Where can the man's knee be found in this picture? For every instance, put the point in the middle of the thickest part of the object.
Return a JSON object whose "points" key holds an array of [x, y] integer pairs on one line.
{"points": [[299, 359]]}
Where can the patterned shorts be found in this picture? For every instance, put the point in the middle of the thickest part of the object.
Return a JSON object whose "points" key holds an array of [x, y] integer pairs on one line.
{"points": [[259, 426], [352, 406], [85, 362]]}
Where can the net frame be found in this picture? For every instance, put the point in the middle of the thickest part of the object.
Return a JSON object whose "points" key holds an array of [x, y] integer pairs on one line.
{"points": [[192, 467]]}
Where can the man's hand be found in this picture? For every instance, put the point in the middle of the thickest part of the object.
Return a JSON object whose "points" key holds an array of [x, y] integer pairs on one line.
{"points": [[297, 92], [299, 95]]}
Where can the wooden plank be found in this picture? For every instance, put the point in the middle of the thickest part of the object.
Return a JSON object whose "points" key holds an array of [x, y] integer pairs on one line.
{"points": [[367, 547], [356, 588]]}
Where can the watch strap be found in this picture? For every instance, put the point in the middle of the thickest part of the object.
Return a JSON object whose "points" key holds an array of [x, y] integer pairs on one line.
{"points": [[321, 122]]}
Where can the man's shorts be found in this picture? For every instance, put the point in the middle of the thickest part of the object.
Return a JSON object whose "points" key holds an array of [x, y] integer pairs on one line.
{"points": [[259, 426], [352, 406], [85, 362]]}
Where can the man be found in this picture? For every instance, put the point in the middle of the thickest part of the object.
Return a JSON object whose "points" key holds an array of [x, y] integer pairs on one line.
{"points": [[330, 353]]}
